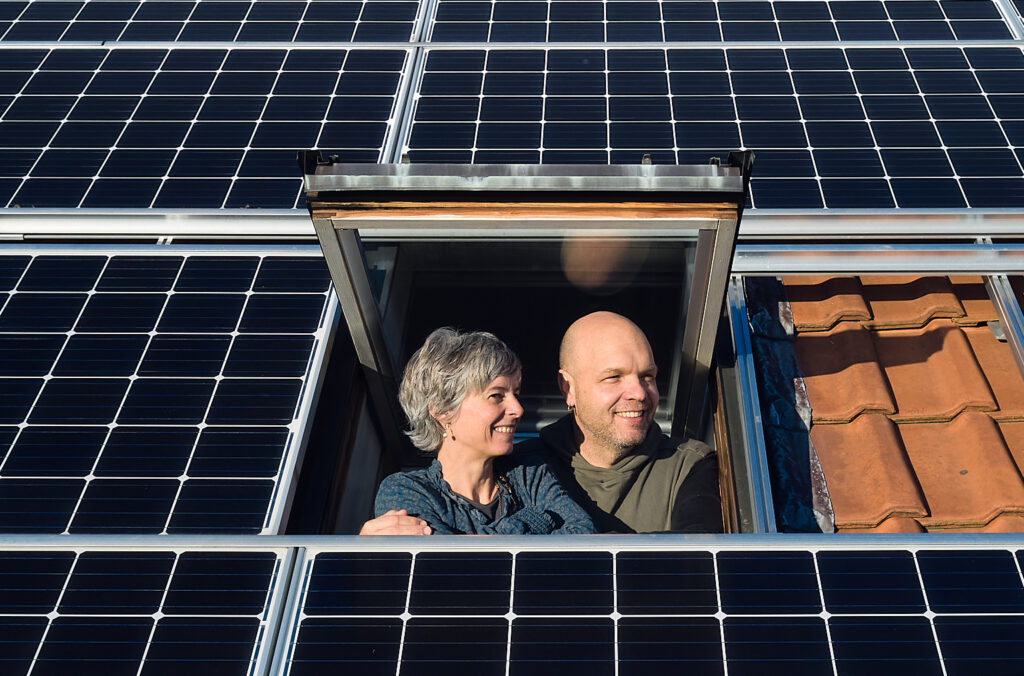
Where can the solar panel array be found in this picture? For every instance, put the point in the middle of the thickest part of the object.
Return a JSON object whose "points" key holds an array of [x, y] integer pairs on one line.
{"points": [[851, 110], [184, 128], [661, 612], [709, 21], [841, 128], [209, 21], [148, 393], [138, 612]]}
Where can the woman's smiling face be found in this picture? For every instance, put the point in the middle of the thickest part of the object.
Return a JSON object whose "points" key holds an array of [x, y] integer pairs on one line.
{"points": [[486, 421]]}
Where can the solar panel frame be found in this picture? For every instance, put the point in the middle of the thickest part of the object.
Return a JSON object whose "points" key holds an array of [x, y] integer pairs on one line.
{"points": [[202, 126], [214, 20], [900, 625], [496, 21], [105, 468], [85, 564], [899, 174]]}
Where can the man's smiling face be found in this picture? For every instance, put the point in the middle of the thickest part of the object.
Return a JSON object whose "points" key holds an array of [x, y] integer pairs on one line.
{"points": [[609, 377]]}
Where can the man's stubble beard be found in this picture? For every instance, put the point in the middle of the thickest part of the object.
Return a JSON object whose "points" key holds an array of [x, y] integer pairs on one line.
{"points": [[615, 449]]}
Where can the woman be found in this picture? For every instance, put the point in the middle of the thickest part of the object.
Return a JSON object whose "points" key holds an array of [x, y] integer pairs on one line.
{"points": [[460, 392]]}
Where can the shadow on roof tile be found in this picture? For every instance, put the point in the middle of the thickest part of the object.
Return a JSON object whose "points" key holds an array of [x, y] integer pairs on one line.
{"points": [[965, 469], [973, 297], [869, 475], [932, 372], [906, 302], [1000, 369], [818, 303], [841, 372]]}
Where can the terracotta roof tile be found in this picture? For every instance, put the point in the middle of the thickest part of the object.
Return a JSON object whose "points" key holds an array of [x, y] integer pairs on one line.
{"points": [[869, 476], [932, 372], [896, 524], [1005, 523], [1013, 435], [973, 297], [904, 302], [957, 391], [818, 303], [1000, 369], [841, 372], [965, 469]]}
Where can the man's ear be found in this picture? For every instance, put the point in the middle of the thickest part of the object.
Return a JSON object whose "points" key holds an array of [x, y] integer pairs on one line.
{"points": [[566, 387]]}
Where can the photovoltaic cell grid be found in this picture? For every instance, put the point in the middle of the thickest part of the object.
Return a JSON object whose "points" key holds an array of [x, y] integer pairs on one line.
{"points": [[139, 612], [710, 21], [832, 127], [184, 128], [152, 394], [661, 612], [209, 21]]}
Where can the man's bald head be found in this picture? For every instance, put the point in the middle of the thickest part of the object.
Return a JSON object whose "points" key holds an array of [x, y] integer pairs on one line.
{"points": [[607, 374], [591, 330]]}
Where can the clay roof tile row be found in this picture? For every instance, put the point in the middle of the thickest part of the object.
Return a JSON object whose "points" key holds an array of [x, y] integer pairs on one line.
{"points": [[917, 407], [887, 302]]}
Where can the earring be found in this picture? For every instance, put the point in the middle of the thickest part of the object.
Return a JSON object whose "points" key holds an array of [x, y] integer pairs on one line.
{"points": [[572, 409], [448, 432]]}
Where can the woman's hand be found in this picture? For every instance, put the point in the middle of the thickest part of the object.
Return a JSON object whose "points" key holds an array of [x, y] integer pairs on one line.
{"points": [[395, 522]]}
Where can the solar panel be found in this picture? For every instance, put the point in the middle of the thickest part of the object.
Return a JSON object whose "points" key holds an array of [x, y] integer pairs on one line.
{"points": [[715, 21], [138, 612], [847, 127], [209, 21], [184, 128], [644, 609], [156, 391]]}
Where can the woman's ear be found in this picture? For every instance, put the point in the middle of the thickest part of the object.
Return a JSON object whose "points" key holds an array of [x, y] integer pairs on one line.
{"points": [[443, 418]]}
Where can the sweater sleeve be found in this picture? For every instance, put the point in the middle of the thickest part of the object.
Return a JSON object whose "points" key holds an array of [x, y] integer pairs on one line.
{"points": [[698, 505], [546, 501], [403, 491]]}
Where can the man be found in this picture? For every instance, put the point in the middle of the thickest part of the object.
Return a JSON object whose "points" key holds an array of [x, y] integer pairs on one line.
{"points": [[610, 454], [627, 474]]}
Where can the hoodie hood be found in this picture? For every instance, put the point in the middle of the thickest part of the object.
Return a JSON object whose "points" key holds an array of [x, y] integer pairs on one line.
{"points": [[606, 486]]}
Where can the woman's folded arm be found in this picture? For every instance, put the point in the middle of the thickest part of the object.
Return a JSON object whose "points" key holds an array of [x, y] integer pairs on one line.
{"points": [[403, 491]]}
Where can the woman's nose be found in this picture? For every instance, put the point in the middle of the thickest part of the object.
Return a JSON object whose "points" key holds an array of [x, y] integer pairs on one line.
{"points": [[515, 409]]}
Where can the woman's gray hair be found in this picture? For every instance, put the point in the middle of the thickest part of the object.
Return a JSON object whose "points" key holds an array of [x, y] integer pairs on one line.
{"points": [[449, 366]]}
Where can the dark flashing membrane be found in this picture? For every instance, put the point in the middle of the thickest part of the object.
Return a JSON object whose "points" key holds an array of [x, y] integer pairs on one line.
{"points": [[802, 503]]}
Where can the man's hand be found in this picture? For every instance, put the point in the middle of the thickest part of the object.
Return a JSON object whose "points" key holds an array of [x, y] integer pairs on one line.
{"points": [[395, 522]]}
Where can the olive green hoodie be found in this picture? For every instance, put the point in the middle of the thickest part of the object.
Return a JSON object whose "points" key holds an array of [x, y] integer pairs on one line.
{"points": [[663, 485]]}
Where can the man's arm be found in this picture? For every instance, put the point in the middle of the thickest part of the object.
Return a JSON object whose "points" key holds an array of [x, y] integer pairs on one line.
{"points": [[395, 522], [698, 504]]}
